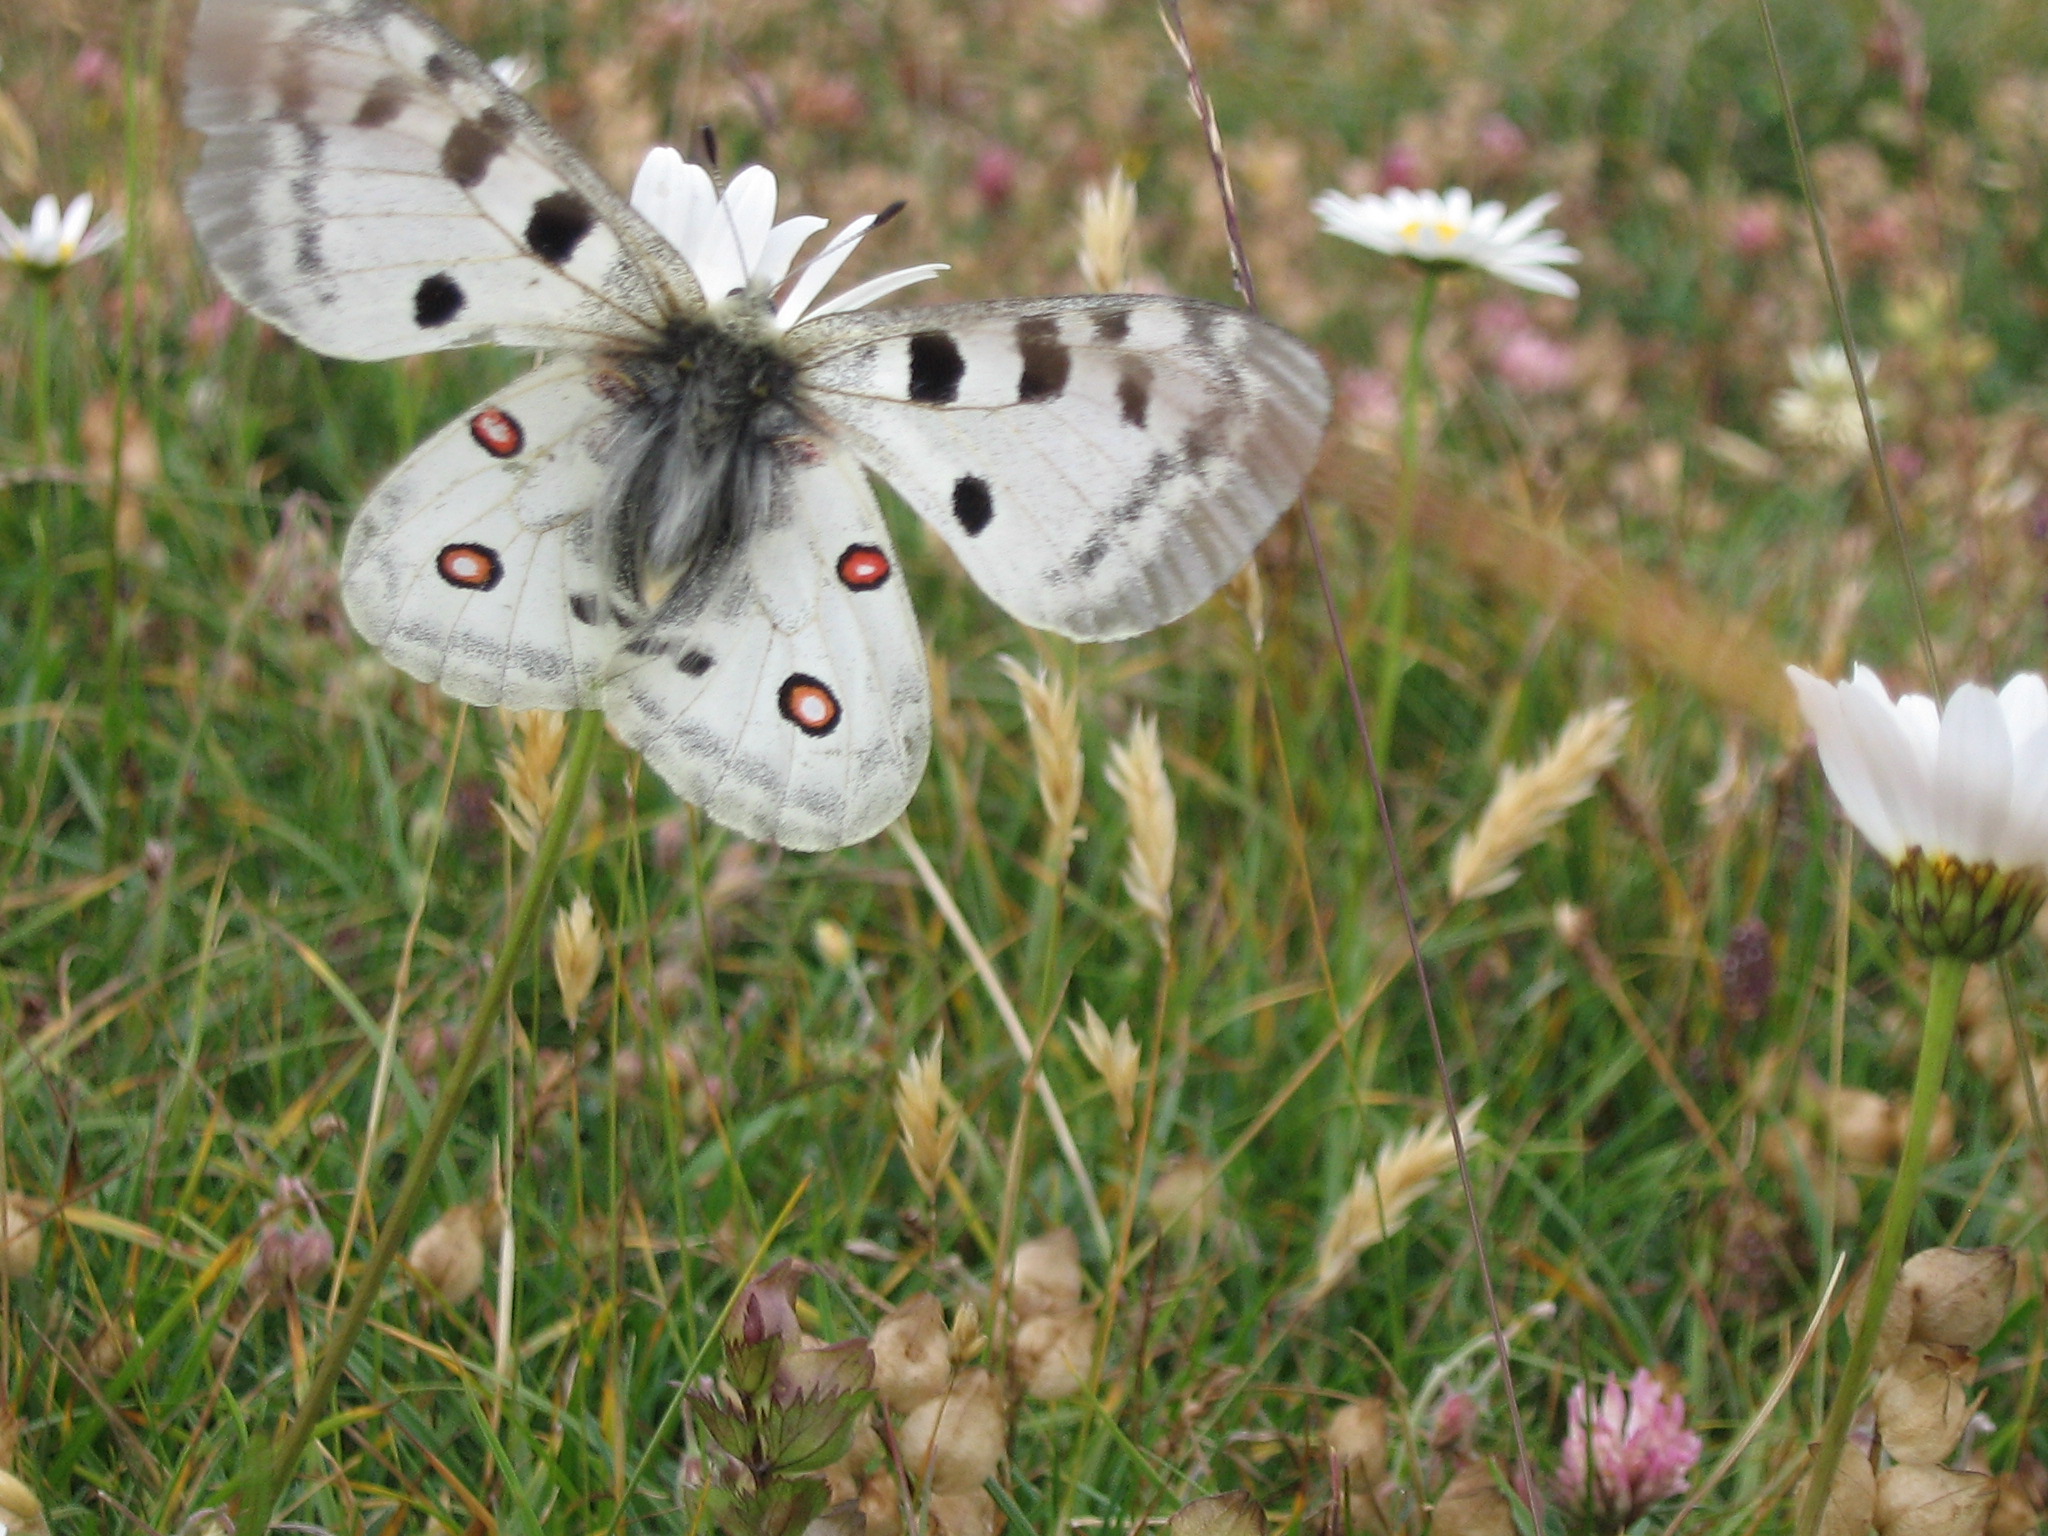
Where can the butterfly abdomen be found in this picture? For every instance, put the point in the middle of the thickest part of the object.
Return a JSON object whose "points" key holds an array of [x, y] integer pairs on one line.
{"points": [[712, 399]]}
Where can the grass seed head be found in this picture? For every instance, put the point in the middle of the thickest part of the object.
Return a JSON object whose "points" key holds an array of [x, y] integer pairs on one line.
{"points": [[1137, 772], [528, 769], [1106, 233], [1528, 802], [833, 943], [927, 1120], [1379, 1201], [574, 948], [1115, 1058], [1053, 719]]}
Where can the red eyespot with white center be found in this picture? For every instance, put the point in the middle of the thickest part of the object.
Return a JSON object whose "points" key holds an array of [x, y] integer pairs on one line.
{"points": [[809, 705], [472, 567], [497, 433], [863, 567]]}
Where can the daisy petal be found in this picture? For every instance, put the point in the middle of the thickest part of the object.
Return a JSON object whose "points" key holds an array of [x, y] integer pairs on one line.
{"points": [[1973, 776]]}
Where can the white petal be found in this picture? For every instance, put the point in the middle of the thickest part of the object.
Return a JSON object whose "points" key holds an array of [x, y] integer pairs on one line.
{"points": [[876, 287], [663, 194], [2028, 826], [1526, 218], [1893, 765], [1539, 280], [1485, 223], [820, 270], [76, 218], [1843, 761], [1973, 776], [2025, 702], [1920, 718], [784, 241], [749, 210], [1457, 206]]}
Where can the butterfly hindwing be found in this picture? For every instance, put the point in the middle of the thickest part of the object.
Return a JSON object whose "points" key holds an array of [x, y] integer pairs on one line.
{"points": [[371, 188], [1099, 464], [787, 694], [478, 563]]}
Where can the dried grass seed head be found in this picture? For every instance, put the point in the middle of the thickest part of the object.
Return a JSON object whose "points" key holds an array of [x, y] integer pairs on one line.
{"points": [[1106, 233], [528, 769], [1052, 717], [1137, 772], [577, 955], [927, 1120], [1378, 1202], [1528, 802], [1114, 1056]]}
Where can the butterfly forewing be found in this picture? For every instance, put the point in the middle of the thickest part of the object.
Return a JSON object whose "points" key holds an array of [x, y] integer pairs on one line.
{"points": [[477, 564], [1099, 464], [370, 187], [788, 696]]}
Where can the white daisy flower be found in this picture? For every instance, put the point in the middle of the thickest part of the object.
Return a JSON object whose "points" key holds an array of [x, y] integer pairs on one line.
{"points": [[1819, 411], [738, 251], [1955, 798], [1444, 229], [52, 242]]}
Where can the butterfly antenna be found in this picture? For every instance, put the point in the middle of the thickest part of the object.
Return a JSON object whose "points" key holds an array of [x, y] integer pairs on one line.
{"points": [[707, 138], [846, 237]]}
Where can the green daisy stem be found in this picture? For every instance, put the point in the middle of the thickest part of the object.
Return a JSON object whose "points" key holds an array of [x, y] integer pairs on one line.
{"points": [[273, 1472], [43, 454], [1394, 650], [1937, 1034]]}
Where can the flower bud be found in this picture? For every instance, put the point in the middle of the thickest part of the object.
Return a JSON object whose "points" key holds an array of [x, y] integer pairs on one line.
{"points": [[1222, 1514], [1051, 1354], [1923, 1402], [1455, 1418], [447, 1260], [913, 1355], [1357, 1437], [768, 1306], [1472, 1504], [21, 1233], [1959, 1295], [1851, 1499], [956, 1441], [1897, 1324], [1933, 1501], [1045, 1274], [833, 943], [20, 1510]]}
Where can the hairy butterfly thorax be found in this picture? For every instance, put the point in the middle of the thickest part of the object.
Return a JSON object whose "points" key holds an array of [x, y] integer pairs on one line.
{"points": [[670, 517]]}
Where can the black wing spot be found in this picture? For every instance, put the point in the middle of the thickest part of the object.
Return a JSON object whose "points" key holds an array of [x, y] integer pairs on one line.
{"points": [[473, 144], [808, 704], [306, 250], [559, 223], [971, 503], [438, 69], [584, 607], [694, 663], [1091, 554], [473, 567], [386, 100], [935, 368], [1113, 323], [437, 300], [1134, 390], [1046, 359]]}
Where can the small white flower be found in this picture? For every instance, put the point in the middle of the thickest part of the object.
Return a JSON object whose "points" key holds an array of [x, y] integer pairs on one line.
{"points": [[515, 71], [1955, 798], [1819, 411], [1444, 229], [738, 251], [52, 242]]}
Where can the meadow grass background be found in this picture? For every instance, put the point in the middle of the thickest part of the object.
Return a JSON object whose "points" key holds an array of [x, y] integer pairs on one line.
{"points": [[228, 832]]}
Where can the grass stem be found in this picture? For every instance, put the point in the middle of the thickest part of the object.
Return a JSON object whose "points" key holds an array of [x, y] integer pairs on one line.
{"points": [[1401, 555]]}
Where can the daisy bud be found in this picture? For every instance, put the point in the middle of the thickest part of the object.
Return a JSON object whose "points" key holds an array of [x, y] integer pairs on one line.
{"points": [[1851, 1500], [1898, 1319], [1959, 1295], [913, 1355], [1222, 1514], [1050, 1356], [1045, 1274], [21, 1233], [20, 1510], [1862, 1124], [574, 948], [447, 1260], [1933, 1501], [955, 1441], [1472, 1504], [1356, 1435], [971, 1513], [1923, 1402]]}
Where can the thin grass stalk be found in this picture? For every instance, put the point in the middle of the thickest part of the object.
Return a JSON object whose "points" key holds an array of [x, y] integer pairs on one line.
{"points": [[963, 935], [1946, 975], [1871, 435], [40, 454], [271, 1472], [1525, 1467], [1401, 556]]}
